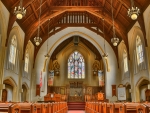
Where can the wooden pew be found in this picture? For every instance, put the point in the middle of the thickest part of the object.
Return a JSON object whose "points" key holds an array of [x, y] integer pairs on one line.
{"points": [[15, 108], [9, 108], [45, 108], [36, 108], [131, 107], [142, 108], [25, 107], [120, 108]]}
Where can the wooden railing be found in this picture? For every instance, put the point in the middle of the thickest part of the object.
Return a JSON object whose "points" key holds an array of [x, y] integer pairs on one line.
{"points": [[55, 107], [99, 107]]}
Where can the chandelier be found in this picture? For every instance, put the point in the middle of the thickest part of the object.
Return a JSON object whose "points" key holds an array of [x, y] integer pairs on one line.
{"points": [[133, 12], [47, 55], [38, 39], [104, 55], [19, 11], [114, 40]]}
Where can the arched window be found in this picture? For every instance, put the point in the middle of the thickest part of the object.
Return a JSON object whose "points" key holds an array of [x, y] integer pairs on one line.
{"points": [[125, 61], [139, 50], [26, 65], [76, 66], [12, 53]]}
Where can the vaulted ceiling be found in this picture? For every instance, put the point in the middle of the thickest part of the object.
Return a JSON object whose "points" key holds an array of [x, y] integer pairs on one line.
{"points": [[75, 13]]}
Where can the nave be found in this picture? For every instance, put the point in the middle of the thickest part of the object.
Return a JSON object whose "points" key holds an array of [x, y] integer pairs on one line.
{"points": [[83, 47], [61, 107]]}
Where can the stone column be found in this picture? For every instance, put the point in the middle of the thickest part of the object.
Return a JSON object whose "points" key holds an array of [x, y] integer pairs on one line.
{"points": [[2, 61]]}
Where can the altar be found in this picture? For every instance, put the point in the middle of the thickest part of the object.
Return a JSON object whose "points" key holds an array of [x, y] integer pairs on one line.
{"points": [[76, 99]]}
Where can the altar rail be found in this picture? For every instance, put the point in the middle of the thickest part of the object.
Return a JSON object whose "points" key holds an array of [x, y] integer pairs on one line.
{"points": [[99, 107], [55, 107]]}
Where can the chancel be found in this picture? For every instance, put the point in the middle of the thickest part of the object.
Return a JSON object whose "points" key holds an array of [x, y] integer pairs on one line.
{"points": [[59, 56]]}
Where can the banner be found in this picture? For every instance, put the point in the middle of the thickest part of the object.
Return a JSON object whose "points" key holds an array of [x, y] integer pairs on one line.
{"points": [[41, 79], [51, 78], [101, 78]]}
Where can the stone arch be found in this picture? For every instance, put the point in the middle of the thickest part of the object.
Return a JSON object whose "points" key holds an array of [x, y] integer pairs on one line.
{"points": [[9, 80], [137, 87], [3, 27], [25, 92], [128, 92]]}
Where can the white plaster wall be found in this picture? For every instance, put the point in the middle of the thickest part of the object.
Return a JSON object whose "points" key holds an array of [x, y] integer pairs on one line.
{"points": [[146, 16], [4, 12], [55, 40]]}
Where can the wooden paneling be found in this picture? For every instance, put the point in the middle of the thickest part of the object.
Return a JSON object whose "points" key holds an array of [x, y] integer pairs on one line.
{"points": [[113, 90], [37, 89]]}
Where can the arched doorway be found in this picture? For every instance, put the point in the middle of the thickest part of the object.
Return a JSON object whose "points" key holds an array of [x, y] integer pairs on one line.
{"points": [[4, 95], [141, 87], [24, 93], [10, 90], [7, 93], [128, 93]]}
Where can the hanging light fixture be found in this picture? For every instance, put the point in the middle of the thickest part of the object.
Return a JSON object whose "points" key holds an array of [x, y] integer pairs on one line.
{"points": [[114, 40], [134, 12], [38, 39], [104, 55], [47, 55], [19, 11]]}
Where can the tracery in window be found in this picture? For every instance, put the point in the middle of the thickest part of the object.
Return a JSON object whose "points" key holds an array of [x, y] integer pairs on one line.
{"points": [[12, 53], [125, 61], [26, 65], [139, 50], [76, 66]]}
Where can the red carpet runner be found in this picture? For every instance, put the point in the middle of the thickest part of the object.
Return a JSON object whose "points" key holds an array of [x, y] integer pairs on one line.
{"points": [[76, 111]]}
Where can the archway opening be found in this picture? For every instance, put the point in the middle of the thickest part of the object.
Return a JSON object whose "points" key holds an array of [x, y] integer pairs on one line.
{"points": [[143, 86], [7, 93], [24, 93]]}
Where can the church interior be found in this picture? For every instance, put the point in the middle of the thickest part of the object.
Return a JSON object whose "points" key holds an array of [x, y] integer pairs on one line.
{"points": [[61, 55]]}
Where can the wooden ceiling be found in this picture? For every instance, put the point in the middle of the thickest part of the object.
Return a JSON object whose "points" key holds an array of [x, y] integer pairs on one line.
{"points": [[75, 13]]}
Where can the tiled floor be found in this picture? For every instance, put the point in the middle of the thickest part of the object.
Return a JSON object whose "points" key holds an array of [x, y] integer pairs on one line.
{"points": [[76, 111]]}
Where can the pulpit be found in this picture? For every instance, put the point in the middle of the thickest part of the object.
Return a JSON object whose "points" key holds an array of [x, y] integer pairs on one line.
{"points": [[99, 96], [52, 97]]}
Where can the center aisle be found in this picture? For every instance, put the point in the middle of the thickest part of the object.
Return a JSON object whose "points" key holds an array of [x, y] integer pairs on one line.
{"points": [[76, 111]]}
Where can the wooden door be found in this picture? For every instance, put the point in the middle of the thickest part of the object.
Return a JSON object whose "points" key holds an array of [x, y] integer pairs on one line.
{"points": [[4, 95]]}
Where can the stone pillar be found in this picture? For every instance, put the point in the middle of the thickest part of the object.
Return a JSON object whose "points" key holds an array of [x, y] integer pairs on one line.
{"points": [[2, 61]]}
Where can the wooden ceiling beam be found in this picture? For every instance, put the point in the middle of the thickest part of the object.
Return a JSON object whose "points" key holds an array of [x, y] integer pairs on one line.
{"points": [[33, 12], [58, 8], [37, 17], [126, 3], [103, 3], [44, 18]]}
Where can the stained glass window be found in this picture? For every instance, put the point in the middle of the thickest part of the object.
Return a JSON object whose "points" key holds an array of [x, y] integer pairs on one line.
{"points": [[76, 66], [139, 50], [12, 53], [125, 61], [26, 61]]}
